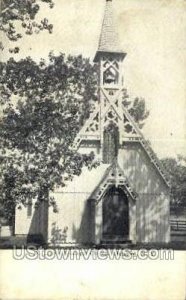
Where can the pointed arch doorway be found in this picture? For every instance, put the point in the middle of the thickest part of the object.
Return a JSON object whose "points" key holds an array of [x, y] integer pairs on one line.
{"points": [[115, 215]]}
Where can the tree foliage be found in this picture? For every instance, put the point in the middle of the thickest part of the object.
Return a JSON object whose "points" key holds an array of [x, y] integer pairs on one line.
{"points": [[137, 110], [45, 105], [177, 172], [44, 108], [15, 13]]}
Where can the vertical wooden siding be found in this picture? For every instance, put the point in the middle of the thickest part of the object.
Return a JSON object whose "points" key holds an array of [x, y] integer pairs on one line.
{"points": [[152, 207]]}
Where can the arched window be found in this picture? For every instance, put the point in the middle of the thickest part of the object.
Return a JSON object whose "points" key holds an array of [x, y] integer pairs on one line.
{"points": [[110, 143]]}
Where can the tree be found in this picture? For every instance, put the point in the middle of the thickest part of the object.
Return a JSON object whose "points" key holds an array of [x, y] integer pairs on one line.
{"points": [[177, 172], [137, 109], [38, 130], [45, 105], [15, 13]]}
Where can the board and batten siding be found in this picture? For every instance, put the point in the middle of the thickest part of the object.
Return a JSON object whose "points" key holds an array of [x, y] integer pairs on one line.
{"points": [[34, 224], [153, 202]]}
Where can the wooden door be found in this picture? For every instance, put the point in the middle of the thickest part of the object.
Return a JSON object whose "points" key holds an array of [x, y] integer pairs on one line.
{"points": [[115, 215]]}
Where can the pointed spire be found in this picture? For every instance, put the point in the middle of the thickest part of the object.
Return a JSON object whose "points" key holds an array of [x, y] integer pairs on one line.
{"points": [[109, 41], [109, 38]]}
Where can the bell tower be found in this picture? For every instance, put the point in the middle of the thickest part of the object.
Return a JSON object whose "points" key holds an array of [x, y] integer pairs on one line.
{"points": [[109, 58], [110, 127], [106, 125]]}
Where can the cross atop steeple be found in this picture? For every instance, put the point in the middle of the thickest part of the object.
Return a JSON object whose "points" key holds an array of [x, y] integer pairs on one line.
{"points": [[109, 41]]}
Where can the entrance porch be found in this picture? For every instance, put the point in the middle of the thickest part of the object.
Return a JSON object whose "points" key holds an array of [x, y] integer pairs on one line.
{"points": [[113, 217]]}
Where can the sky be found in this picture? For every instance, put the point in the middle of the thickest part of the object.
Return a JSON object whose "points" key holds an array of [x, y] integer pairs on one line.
{"points": [[152, 33]]}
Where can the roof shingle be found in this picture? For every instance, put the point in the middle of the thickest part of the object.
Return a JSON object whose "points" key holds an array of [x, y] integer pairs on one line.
{"points": [[109, 41]]}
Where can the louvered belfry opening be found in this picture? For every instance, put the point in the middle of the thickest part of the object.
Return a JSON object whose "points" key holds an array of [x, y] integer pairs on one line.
{"points": [[110, 143]]}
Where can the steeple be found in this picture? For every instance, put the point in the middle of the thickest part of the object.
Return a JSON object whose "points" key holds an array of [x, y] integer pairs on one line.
{"points": [[109, 41], [110, 126]]}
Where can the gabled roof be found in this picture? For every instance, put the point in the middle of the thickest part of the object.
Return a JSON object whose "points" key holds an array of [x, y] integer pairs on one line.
{"points": [[86, 133], [129, 130], [114, 175], [109, 40], [148, 149]]}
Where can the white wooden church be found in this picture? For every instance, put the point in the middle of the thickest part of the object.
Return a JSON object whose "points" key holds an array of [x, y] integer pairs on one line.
{"points": [[127, 197]]}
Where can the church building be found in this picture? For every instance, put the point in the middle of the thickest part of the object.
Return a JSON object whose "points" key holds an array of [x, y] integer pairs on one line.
{"points": [[126, 199]]}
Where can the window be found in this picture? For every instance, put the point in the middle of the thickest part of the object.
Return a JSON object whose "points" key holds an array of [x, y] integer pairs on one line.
{"points": [[29, 209], [110, 144]]}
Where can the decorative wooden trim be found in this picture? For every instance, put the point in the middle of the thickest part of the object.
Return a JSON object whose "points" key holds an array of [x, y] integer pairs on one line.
{"points": [[114, 176]]}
